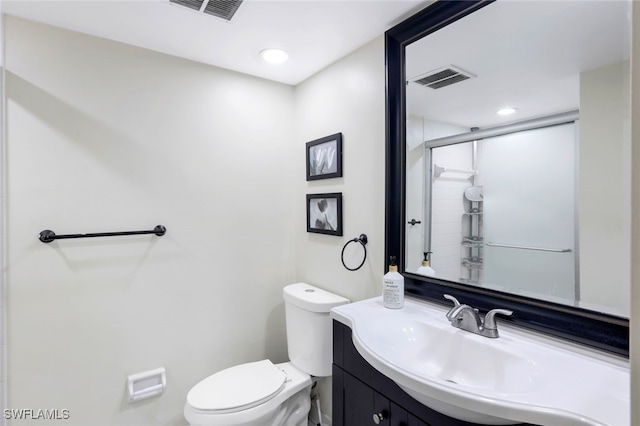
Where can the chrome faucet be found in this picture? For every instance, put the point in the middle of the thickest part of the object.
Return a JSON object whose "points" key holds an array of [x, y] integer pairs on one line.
{"points": [[467, 318]]}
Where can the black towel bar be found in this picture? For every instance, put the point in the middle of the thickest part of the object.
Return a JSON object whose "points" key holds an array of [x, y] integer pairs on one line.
{"points": [[48, 235]]}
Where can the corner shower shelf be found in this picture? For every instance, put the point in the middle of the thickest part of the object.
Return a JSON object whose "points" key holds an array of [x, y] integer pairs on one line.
{"points": [[472, 240], [473, 262], [472, 243]]}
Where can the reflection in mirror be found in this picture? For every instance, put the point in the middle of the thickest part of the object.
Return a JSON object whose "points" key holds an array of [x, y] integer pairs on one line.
{"points": [[536, 202]]}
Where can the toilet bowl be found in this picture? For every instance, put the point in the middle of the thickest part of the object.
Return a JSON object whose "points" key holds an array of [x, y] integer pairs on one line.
{"points": [[265, 394]]}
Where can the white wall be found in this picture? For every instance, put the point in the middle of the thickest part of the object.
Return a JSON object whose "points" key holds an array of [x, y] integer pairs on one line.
{"points": [[605, 187], [3, 333], [346, 97], [634, 343], [106, 137]]}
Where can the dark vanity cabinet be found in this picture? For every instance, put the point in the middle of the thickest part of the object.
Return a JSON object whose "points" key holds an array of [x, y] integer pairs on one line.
{"points": [[363, 396]]}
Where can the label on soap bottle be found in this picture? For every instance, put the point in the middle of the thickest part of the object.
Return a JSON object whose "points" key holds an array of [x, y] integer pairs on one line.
{"points": [[393, 290]]}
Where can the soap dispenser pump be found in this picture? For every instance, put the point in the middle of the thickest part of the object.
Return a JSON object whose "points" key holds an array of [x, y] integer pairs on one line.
{"points": [[426, 268]]}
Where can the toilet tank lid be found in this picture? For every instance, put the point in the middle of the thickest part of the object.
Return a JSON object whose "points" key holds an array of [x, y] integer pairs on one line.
{"points": [[312, 298]]}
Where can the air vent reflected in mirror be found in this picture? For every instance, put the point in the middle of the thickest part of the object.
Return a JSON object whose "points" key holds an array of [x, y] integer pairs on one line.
{"points": [[442, 77]]}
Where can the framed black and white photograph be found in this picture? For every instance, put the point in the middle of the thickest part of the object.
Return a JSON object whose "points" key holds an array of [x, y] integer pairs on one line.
{"points": [[324, 157], [324, 213]]}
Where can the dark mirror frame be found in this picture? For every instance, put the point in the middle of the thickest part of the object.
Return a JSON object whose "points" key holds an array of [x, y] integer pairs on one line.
{"points": [[602, 331]]}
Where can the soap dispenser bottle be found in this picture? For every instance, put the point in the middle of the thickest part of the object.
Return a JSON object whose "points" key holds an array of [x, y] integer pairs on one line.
{"points": [[393, 288], [426, 268]]}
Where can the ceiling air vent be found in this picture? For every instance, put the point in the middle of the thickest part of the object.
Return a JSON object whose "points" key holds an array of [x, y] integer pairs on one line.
{"points": [[224, 9], [442, 77]]}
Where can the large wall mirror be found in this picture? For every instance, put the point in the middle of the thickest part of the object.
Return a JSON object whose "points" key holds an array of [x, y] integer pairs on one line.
{"points": [[509, 160]]}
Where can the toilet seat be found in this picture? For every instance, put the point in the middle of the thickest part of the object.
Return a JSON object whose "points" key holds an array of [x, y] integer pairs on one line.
{"points": [[238, 388]]}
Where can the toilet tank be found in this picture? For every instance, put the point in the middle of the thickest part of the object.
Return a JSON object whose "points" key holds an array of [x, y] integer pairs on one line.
{"points": [[309, 327]]}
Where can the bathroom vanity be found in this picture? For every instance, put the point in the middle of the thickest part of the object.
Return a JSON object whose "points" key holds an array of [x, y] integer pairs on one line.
{"points": [[411, 367]]}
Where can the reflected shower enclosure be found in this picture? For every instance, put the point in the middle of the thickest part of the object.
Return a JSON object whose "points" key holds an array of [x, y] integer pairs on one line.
{"points": [[500, 219]]}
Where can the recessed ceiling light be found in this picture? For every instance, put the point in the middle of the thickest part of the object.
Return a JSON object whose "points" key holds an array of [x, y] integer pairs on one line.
{"points": [[274, 56], [506, 111]]}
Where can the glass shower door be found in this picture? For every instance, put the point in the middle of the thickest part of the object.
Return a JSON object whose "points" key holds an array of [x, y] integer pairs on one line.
{"points": [[530, 211]]}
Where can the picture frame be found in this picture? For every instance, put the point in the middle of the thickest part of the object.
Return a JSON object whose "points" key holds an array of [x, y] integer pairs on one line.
{"points": [[324, 157], [324, 213]]}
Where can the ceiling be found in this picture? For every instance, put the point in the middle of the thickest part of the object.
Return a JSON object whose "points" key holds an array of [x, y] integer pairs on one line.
{"points": [[315, 33], [525, 54]]}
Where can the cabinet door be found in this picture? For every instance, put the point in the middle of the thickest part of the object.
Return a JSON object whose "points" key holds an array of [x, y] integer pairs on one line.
{"points": [[398, 416], [361, 403], [414, 421]]}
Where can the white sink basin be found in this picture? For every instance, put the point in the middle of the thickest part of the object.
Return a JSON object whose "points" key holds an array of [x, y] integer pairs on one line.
{"points": [[518, 377], [452, 356]]}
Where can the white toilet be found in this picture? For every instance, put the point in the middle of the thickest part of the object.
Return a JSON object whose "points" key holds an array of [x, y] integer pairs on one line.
{"points": [[261, 393]]}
